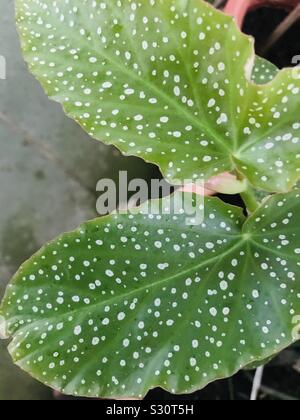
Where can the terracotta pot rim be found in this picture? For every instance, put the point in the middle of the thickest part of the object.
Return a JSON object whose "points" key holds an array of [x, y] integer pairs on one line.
{"points": [[240, 8]]}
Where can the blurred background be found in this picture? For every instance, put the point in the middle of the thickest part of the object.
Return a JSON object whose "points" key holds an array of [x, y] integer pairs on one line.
{"points": [[48, 174]]}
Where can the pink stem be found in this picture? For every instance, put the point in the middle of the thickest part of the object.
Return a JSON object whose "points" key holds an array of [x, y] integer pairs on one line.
{"points": [[239, 8]]}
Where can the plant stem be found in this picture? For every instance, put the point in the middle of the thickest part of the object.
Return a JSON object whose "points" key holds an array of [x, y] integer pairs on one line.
{"points": [[250, 200], [281, 30], [277, 394], [257, 383], [238, 9]]}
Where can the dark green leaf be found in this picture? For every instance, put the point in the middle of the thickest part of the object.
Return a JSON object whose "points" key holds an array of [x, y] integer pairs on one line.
{"points": [[131, 302], [168, 81], [42, 191], [263, 71]]}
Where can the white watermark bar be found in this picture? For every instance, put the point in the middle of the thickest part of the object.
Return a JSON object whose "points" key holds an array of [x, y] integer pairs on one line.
{"points": [[127, 196], [296, 64]]}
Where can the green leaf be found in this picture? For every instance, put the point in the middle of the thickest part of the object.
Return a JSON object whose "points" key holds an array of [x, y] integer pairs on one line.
{"points": [[42, 190], [168, 81], [131, 302], [263, 71]]}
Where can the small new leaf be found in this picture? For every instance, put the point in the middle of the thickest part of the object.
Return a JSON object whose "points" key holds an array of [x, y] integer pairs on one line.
{"points": [[263, 71]]}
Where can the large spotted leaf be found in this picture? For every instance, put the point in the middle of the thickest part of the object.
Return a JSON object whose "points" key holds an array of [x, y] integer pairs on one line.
{"points": [[131, 302], [167, 80]]}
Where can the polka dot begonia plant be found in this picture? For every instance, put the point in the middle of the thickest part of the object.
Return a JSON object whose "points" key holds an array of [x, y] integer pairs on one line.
{"points": [[129, 302]]}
